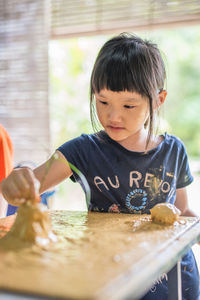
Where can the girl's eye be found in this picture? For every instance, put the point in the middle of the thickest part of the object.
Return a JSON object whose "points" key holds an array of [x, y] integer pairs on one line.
{"points": [[129, 106], [103, 102]]}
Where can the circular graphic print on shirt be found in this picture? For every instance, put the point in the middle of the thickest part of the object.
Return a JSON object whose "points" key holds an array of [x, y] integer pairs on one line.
{"points": [[136, 200]]}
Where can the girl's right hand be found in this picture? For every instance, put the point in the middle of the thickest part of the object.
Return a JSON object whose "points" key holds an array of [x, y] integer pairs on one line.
{"points": [[21, 185]]}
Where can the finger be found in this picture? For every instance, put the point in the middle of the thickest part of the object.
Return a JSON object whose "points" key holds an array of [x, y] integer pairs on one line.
{"points": [[28, 179], [18, 202], [34, 185], [34, 190], [21, 201], [37, 189], [10, 192], [37, 185], [22, 184]]}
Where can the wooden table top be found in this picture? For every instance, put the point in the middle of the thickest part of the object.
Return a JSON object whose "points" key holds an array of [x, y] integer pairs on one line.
{"points": [[99, 256]]}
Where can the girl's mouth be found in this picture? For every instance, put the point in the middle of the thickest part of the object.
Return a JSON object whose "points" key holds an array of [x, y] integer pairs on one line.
{"points": [[115, 128]]}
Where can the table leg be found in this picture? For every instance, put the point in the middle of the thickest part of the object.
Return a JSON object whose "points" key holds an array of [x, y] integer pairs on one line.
{"points": [[174, 283]]}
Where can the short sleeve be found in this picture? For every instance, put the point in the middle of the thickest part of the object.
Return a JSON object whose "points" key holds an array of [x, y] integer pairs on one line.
{"points": [[76, 151], [184, 177]]}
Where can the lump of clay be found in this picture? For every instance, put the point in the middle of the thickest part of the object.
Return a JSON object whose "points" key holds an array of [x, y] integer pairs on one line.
{"points": [[32, 226], [165, 213]]}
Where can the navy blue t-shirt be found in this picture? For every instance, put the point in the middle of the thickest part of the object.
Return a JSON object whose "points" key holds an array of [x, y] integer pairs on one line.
{"points": [[133, 182]]}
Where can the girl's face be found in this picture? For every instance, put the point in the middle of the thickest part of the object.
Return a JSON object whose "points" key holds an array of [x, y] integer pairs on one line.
{"points": [[122, 114]]}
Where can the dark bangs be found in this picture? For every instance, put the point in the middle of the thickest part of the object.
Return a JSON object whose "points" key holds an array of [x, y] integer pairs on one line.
{"points": [[125, 63], [113, 72]]}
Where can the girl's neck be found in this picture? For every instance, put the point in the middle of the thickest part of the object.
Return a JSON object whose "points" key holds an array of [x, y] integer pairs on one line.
{"points": [[137, 142]]}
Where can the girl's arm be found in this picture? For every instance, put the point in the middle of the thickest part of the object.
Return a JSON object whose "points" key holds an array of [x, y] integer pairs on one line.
{"points": [[52, 172], [182, 203], [24, 184]]}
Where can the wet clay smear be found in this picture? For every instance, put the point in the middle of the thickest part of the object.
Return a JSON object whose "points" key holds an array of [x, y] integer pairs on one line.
{"points": [[32, 226]]}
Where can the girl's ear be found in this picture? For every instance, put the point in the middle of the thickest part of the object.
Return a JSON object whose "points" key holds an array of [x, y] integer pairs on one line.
{"points": [[161, 97]]}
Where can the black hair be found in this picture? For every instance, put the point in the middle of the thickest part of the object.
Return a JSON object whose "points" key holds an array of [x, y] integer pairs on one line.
{"points": [[128, 63]]}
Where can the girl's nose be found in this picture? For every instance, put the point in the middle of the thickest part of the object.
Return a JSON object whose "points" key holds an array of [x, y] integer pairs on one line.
{"points": [[114, 115]]}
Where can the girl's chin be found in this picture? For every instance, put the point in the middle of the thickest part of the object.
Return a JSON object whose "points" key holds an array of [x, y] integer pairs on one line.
{"points": [[118, 137]]}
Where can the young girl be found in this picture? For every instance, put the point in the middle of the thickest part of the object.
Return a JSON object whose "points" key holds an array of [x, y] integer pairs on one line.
{"points": [[128, 167]]}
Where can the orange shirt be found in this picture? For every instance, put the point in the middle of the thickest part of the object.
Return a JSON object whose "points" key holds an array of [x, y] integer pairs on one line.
{"points": [[6, 153]]}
